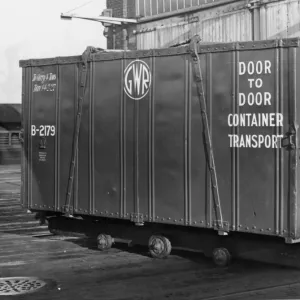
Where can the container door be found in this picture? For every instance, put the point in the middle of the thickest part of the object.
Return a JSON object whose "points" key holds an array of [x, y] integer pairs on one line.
{"points": [[265, 113], [41, 132]]}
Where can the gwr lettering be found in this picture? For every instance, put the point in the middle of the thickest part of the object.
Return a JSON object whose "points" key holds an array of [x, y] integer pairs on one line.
{"points": [[259, 67], [257, 99], [256, 120]]}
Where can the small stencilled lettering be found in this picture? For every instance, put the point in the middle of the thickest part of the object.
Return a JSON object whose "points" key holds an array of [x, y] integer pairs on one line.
{"points": [[44, 82], [42, 156]]}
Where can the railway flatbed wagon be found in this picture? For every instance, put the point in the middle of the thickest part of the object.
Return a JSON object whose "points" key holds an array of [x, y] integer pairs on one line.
{"points": [[193, 147]]}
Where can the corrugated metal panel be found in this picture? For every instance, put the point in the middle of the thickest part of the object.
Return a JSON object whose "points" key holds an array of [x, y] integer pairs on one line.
{"points": [[228, 28], [148, 8], [234, 26], [226, 23], [281, 19]]}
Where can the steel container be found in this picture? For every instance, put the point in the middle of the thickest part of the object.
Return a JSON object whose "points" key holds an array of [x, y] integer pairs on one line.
{"points": [[148, 151]]}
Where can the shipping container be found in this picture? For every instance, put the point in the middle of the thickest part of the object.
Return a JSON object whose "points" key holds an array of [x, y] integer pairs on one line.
{"points": [[221, 21], [193, 146]]}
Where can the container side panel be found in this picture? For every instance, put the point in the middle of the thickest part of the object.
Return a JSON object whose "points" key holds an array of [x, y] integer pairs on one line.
{"points": [[142, 150], [26, 83], [257, 139], [83, 149], [43, 131], [293, 156], [129, 148], [67, 104], [284, 180], [200, 194], [298, 135], [169, 138], [29, 137], [222, 107], [107, 136]]}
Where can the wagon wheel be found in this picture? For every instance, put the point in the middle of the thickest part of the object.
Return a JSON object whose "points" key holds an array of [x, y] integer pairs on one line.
{"points": [[104, 241], [159, 246], [221, 257], [50, 227], [54, 231]]}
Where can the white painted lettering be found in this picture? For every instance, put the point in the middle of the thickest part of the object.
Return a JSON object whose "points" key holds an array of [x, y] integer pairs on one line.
{"points": [[258, 99], [272, 119], [242, 68], [251, 82], [254, 140], [235, 140], [267, 67], [242, 99], [267, 98], [250, 99], [230, 139], [268, 141], [279, 120], [258, 83], [251, 67], [229, 120], [259, 67]]}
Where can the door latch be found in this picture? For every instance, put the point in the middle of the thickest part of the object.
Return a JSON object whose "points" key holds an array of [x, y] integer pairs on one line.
{"points": [[43, 143], [288, 142]]}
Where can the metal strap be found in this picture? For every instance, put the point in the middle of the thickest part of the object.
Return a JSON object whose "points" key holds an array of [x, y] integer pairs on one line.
{"points": [[206, 130], [85, 56]]}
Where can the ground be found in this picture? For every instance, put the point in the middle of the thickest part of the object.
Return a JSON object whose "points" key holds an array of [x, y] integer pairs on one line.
{"points": [[73, 268]]}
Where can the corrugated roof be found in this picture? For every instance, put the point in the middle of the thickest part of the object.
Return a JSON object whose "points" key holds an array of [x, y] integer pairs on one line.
{"points": [[10, 113]]}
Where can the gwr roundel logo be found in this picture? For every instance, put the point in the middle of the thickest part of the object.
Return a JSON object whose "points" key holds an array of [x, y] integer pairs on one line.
{"points": [[137, 79]]}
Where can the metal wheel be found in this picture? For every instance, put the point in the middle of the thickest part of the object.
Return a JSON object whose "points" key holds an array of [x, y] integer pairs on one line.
{"points": [[159, 246], [221, 257], [54, 231], [104, 242]]}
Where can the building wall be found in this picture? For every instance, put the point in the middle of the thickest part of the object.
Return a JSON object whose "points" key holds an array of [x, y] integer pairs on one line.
{"points": [[163, 23], [118, 37], [224, 23], [147, 8], [235, 21]]}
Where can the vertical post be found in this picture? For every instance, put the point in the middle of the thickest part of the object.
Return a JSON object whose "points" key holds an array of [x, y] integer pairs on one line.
{"points": [[9, 139], [262, 23], [114, 36], [124, 36], [256, 26]]}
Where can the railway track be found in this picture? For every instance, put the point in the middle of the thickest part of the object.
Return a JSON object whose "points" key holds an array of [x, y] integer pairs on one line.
{"points": [[79, 270]]}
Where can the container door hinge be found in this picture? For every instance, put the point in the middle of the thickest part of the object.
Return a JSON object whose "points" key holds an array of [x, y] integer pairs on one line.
{"points": [[289, 140], [137, 218], [43, 143], [221, 226]]}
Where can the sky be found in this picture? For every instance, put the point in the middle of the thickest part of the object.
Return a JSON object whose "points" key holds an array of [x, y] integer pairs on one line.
{"points": [[33, 29]]}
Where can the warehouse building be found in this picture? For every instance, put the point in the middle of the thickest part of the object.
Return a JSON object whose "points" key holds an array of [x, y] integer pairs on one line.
{"points": [[164, 23], [10, 127]]}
